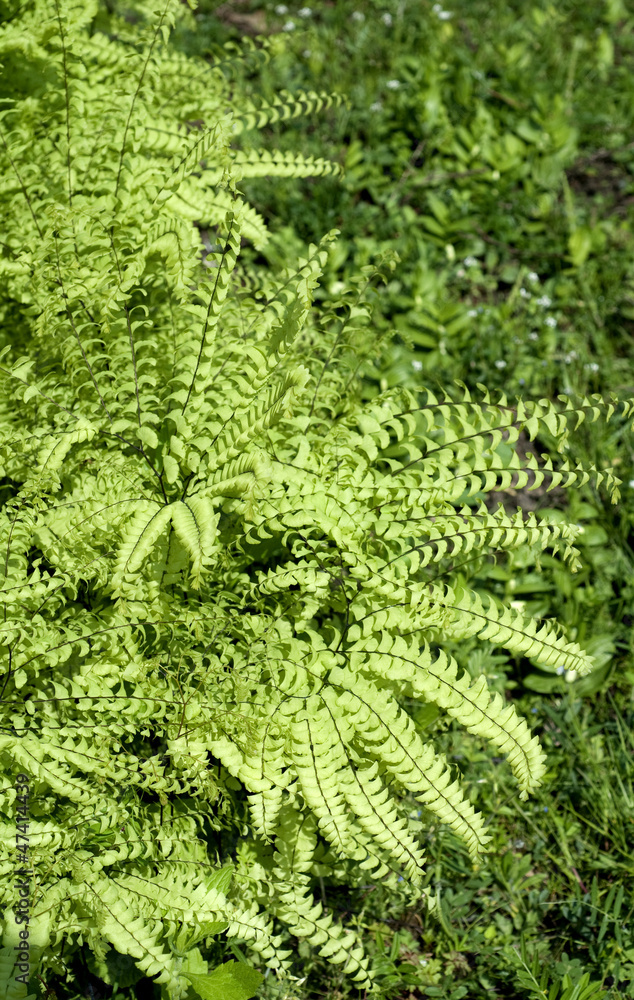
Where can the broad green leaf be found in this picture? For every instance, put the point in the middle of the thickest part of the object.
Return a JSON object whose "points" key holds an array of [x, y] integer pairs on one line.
{"points": [[580, 245], [231, 981]]}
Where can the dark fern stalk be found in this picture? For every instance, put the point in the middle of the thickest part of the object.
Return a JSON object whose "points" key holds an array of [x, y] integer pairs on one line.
{"points": [[223, 571]]}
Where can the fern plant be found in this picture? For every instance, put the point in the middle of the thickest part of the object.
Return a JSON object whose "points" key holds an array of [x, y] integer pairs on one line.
{"points": [[224, 570]]}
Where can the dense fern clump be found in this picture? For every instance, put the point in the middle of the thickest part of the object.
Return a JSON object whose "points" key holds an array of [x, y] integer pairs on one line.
{"points": [[223, 570]]}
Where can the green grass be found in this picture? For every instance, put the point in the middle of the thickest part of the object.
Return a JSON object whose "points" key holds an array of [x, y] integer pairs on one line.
{"points": [[493, 151], [482, 137]]}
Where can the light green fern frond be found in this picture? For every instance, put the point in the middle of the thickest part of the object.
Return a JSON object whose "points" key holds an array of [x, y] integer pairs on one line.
{"points": [[225, 574]]}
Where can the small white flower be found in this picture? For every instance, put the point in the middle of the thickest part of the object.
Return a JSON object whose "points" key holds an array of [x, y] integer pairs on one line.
{"points": [[387, 19], [500, 364], [376, 106], [561, 671], [460, 272], [393, 84], [533, 336], [417, 365], [289, 26], [592, 367], [357, 16], [551, 322], [306, 53], [544, 301], [631, 484], [442, 15], [571, 675], [470, 262], [304, 12], [422, 961], [472, 312], [524, 294], [281, 9], [532, 276]]}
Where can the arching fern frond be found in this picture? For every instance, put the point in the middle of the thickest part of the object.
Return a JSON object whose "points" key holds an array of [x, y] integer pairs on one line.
{"points": [[285, 106]]}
